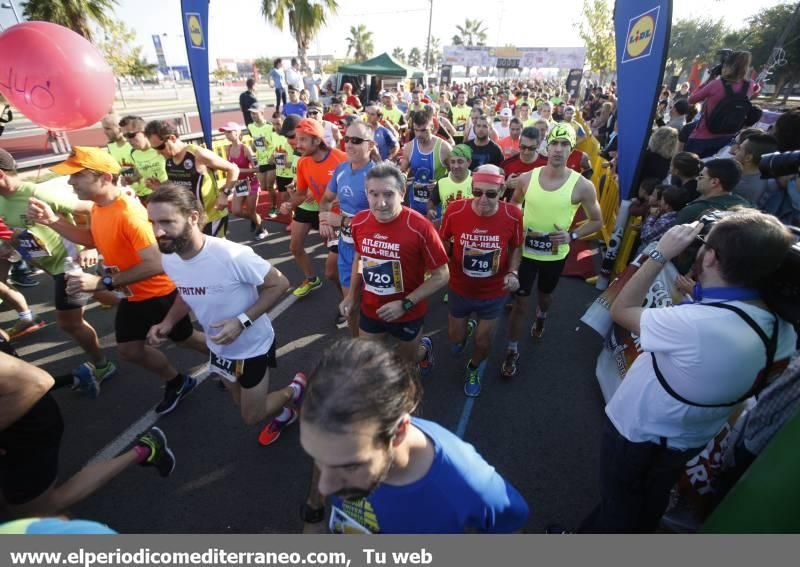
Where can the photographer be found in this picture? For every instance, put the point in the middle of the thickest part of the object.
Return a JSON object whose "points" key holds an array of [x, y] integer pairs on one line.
{"points": [[782, 194], [725, 95], [699, 362]]}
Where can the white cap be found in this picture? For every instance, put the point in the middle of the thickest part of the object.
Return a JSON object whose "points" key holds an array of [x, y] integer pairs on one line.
{"points": [[506, 113]]}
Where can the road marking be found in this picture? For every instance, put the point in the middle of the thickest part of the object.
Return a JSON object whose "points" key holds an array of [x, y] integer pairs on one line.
{"points": [[466, 411], [151, 417]]}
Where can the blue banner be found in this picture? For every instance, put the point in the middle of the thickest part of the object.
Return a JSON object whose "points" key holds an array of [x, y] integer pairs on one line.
{"points": [[194, 14], [642, 29]]}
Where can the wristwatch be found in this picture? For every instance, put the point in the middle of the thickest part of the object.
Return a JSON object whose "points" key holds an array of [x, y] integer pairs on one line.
{"points": [[573, 236], [311, 515], [658, 257], [244, 320], [108, 283], [407, 304]]}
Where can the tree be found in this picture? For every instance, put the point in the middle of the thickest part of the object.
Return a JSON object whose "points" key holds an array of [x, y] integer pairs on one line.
{"points": [[264, 65], [76, 15], [694, 40], [305, 19], [221, 73], [414, 57], [118, 53], [140, 69], [597, 32], [360, 43], [435, 56], [399, 54], [472, 32]]}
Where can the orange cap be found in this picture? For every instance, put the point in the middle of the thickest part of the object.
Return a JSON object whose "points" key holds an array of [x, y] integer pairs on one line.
{"points": [[310, 127], [84, 157]]}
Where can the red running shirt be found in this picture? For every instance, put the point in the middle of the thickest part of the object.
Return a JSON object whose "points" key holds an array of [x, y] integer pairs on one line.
{"points": [[394, 259], [479, 260]]}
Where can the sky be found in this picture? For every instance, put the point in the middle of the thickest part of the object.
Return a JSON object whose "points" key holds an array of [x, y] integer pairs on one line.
{"points": [[238, 30]]}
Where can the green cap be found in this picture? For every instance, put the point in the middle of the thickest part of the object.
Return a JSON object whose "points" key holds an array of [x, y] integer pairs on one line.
{"points": [[463, 151], [562, 131]]}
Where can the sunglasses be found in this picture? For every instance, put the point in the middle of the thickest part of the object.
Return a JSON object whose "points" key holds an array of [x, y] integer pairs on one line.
{"points": [[355, 140], [312, 112], [477, 193], [131, 135], [704, 241], [160, 146], [525, 147]]}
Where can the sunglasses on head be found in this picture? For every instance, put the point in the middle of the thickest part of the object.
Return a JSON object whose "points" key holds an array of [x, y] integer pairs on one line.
{"points": [[355, 140], [131, 135], [477, 193]]}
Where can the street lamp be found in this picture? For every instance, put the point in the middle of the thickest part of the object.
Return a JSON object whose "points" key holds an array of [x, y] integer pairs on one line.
{"points": [[174, 80], [10, 6]]}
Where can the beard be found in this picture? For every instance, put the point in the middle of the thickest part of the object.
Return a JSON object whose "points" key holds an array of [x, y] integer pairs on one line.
{"points": [[355, 493], [177, 244]]}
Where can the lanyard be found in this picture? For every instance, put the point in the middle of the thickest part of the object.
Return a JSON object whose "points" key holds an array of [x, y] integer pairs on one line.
{"points": [[700, 293]]}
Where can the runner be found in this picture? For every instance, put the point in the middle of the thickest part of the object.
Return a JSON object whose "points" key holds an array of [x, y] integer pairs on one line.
{"points": [[31, 427], [122, 234], [423, 161], [395, 246], [219, 281], [332, 135], [484, 239], [549, 197], [350, 100], [195, 167], [261, 132], [286, 156], [336, 114], [245, 192], [392, 113], [510, 144], [348, 185], [149, 165], [461, 113], [314, 171], [484, 149], [49, 251], [457, 185], [385, 471], [294, 105], [528, 158], [117, 146], [385, 138]]}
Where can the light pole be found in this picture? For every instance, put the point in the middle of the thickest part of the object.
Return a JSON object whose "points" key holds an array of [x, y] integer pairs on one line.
{"points": [[10, 5], [174, 80], [428, 48]]}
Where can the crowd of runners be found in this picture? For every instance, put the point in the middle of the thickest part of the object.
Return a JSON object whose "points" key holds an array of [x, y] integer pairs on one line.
{"points": [[470, 195]]}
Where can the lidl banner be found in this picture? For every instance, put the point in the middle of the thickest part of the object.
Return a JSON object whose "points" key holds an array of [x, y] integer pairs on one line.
{"points": [[642, 29], [194, 14]]}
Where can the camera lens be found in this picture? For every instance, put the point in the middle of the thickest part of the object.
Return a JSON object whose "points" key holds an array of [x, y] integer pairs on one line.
{"points": [[778, 164]]}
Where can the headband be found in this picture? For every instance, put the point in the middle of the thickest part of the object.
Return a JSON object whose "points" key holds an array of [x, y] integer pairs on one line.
{"points": [[486, 177]]}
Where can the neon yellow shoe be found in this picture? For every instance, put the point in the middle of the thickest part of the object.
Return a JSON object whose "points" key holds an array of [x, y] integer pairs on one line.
{"points": [[307, 286]]}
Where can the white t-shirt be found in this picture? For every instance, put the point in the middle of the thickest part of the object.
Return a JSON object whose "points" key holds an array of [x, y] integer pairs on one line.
{"points": [[502, 131], [707, 355], [294, 78], [311, 85], [328, 127], [220, 283]]}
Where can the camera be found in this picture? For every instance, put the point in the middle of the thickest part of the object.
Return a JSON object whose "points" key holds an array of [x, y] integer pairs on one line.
{"points": [[723, 54], [779, 164]]}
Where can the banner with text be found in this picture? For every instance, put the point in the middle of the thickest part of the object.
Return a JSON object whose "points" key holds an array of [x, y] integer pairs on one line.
{"points": [[514, 57], [194, 14], [642, 29]]}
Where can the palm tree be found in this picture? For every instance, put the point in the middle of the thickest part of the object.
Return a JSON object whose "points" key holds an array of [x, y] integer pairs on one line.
{"points": [[305, 18], [473, 32], [414, 57], [360, 43], [76, 15], [399, 54], [435, 55]]}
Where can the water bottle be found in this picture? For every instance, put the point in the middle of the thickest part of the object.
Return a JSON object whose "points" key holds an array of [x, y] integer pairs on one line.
{"points": [[71, 268]]}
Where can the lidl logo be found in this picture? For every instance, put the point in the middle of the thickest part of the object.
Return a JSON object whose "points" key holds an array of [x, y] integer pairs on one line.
{"points": [[641, 31], [195, 27]]}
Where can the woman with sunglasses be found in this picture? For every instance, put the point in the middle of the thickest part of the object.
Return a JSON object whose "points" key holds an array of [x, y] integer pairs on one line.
{"points": [[484, 239]]}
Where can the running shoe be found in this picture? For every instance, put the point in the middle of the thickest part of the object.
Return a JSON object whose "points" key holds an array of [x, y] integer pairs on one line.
{"points": [[509, 367], [472, 385], [273, 430], [22, 328], [472, 324], [426, 364], [538, 328], [87, 381], [262, 233], [308, 286], [273, 212], [340, 319], [22, 279], [174, 395], [301, 380], [103, 373], [161, 456]]}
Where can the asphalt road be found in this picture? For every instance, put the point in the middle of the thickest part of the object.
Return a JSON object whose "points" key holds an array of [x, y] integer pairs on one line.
{"points": [[541, 430]]}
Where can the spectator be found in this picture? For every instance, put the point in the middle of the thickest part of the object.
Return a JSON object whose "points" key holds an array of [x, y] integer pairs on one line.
{"points": [[787, 130], [688, 128], [782, 196], [677, 114], [311, 84], [278, 82], [715, 183], [686, 166], [682, 93], [662, 217], [640, 205], [703, 141], [294, 78], [661, 148], [248, 99], [748, 154]]}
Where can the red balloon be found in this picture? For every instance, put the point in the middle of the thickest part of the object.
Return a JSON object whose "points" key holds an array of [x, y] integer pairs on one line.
{"points": [[54, 76]]}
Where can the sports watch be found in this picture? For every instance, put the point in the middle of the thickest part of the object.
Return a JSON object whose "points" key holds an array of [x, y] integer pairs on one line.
{"points": [[108, 283], [244, 320], [658, 257], [407, 304], [573, 236]]}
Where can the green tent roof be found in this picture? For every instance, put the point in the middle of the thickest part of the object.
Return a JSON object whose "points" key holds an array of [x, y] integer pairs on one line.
{"points": [[383, 65]]}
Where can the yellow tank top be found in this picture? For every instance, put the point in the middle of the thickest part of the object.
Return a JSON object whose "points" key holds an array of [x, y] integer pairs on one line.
{"points": [[450, 191], [542, 210]]}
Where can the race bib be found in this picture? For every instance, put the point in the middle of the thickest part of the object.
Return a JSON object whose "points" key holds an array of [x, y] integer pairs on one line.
{"points": [[229, 369], [479, 263], [260, 143], [382, 277], [421, 192], [31, 246], [280, 159], [341, 523], [241, 189], [539, 244], [460, 128]]}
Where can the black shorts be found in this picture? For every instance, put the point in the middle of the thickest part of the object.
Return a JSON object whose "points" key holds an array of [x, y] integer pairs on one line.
{"points": [[255, 368], [134, 319], [29, 456], [217, 227], [266, 167], [406, 331], [283, 183], [62, 300], [307, 217], [549, 272]]}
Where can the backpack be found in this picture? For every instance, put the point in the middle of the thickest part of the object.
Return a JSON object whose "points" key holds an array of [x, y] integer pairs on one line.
{"points": [[732, 112]]}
